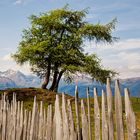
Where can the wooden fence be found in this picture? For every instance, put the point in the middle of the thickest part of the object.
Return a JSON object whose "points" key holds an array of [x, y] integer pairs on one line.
{"points": [[16, 123]]}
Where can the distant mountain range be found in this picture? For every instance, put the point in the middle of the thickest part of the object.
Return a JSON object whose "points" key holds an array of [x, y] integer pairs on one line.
{"points": [[6, 83], [133, 84], [11, 78], [15, 79]]}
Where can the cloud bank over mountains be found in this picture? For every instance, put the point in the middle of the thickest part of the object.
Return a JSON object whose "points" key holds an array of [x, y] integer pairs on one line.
{"points": [[122, 56]]}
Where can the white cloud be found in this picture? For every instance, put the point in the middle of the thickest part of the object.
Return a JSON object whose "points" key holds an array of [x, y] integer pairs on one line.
{"points": [[129, 26], [130, 57], [18, 2], [25, 68], [122, 56], [135, 68], [132, 60], [6, 62], [7, 57], [120, 45]]}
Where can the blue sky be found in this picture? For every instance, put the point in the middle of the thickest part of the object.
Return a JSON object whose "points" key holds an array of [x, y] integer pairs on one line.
{"points": [[122, 56]]}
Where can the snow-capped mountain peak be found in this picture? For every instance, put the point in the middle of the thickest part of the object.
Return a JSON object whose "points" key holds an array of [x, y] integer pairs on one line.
{"points": [[21, 79], [7, 73]]}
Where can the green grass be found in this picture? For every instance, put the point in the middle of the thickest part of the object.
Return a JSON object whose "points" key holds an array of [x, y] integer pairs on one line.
{"points": [[27, 95]]}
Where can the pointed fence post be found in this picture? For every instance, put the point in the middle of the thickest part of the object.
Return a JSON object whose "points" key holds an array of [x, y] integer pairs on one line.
{"points": [[36, 123], [25, 125], [130, 118], [73, 135], [4, 119], [49, 128], [89, 121], [17, 119], [65, 119], [57, 122], [96, 116], [110, 110], [44, 124], [29, 125], [118, 112], [33, 119], [21, 121], [77, 112], [85, 132], [104, 119], [14, 116], [40, 133]]}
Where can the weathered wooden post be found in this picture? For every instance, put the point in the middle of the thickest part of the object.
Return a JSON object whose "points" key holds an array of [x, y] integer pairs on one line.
{"points": [[65, 119], [89, 121], [44, 123], [104, 119], [4, 119], [130, 118], [96, 116], [40, 133], [36, 123], [73, 135], [110, 110], [85, 133], [21, 121], [33, 119], [57, 122], [118, 112], [77, 113], [29, 125], [49, 128], [25, 125]]}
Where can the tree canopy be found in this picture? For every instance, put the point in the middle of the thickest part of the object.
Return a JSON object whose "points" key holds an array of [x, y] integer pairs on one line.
{"points": [[54, 46]]}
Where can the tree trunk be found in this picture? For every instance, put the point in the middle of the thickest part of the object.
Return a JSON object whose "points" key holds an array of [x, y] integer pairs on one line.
{"points": [[58, 80], [47, 77], [54, 80], [45, 83]]}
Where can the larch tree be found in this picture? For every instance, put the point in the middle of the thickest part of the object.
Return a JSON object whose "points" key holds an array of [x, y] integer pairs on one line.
{"points": [[54, 46]]}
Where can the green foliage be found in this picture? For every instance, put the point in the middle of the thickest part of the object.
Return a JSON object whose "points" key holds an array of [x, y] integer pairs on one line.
{"points": [[54, 42]]}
